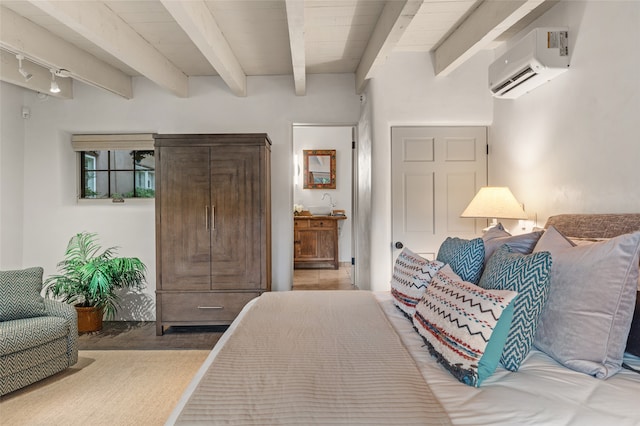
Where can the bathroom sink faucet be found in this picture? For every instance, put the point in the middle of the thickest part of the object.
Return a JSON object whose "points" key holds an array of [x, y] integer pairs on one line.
{"points": [[331, 203]]}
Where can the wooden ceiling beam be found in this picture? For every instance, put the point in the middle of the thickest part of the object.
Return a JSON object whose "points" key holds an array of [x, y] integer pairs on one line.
{"points": [[392, 23], [19, 35], [481, 28], [295, 22], [104, 28], [196, 20]]}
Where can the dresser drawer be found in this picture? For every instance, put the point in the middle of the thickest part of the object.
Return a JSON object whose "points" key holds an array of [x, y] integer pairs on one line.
{"points": [[323, 223], [301, 223], [204, 307]]}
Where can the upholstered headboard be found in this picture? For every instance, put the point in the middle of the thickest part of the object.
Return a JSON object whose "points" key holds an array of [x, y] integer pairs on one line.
{"points": [[595, 225]]}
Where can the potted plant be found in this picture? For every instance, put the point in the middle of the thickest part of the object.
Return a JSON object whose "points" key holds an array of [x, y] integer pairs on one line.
{"points": [[90, 279]]}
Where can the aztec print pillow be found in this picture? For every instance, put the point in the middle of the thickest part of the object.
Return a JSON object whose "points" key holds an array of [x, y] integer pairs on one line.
{"points": [[466, 257], [20, 294], [529, 276], [411, 275], [464, 326]]}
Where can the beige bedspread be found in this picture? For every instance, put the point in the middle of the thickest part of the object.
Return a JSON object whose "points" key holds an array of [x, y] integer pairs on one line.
{"points": [[312, 357]]}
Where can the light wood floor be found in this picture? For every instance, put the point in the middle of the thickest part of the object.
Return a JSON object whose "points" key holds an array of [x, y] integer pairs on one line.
{"points": [[323, 279]]}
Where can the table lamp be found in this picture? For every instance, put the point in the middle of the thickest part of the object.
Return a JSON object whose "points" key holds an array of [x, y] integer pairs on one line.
{"points": [[493, 202]]}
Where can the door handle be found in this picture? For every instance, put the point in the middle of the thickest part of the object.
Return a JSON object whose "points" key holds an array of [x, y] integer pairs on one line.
{"points": [[399, 244]]}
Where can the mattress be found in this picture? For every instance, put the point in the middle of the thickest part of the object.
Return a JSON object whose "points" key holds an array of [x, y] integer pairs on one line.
{"points": [[542, 392]]}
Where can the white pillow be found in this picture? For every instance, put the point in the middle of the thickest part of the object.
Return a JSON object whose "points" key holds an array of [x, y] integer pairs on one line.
{"points": [[411, 275]]}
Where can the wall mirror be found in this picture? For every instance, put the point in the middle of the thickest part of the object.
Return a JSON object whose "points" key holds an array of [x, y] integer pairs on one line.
{"points": [[319, 168]]}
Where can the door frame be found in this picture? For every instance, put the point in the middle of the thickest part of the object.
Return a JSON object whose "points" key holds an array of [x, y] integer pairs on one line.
{"points": [[354, 185]]}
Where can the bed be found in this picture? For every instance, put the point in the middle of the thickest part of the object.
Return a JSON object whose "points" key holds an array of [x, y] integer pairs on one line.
{"points": [[290, 358]]}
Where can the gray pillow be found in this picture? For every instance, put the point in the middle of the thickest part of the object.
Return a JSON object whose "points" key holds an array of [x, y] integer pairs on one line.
{"points": [[20, 294], [523, 243], [587, 318]]}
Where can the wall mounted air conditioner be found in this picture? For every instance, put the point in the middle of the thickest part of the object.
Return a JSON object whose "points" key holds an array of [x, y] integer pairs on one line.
{"points": [[538, 57]]}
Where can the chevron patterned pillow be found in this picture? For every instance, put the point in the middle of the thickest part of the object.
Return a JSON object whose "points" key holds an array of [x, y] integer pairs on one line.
{"points": [[20, 294], [411, 275], [529, 276], [464, 326], [466, 257]]}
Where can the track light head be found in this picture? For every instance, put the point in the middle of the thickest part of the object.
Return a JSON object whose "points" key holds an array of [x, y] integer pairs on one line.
{"points": [[27, 75], [54, 86]]}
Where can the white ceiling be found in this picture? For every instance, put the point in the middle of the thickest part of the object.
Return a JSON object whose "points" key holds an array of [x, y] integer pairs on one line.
{"points": [[105, 43]]}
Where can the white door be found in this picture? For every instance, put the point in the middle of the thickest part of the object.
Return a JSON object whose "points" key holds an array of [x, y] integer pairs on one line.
{"points": [[435, 172]]}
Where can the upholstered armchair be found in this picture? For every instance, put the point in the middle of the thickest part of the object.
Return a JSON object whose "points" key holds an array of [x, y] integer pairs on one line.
{"points": [[38, 336]]}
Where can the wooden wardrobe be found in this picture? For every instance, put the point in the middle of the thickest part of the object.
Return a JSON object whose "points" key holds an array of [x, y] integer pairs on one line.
{"points": [[213, 226]]}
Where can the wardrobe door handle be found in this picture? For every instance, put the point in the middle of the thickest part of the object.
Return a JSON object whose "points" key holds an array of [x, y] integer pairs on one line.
{"points": [[210, 307], [206, 217], [213, 217]]}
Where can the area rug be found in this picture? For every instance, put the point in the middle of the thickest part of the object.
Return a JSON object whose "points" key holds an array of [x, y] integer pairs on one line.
{"points": [[106, 388]]}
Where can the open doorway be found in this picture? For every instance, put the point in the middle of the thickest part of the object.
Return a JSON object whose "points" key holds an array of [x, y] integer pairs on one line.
{"points": [[323, 222]]}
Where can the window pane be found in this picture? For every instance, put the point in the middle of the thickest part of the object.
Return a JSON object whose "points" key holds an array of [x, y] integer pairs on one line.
{"points": [[144, 160], [101, 159], [122, 184], [123, 160], [96, 184]]}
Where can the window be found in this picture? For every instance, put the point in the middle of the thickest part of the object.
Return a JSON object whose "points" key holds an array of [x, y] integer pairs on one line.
{"points": [[116, 166], [117, 173]]}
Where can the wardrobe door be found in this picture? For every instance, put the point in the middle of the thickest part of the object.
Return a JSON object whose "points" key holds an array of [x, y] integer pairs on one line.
{"points": [[236, 236], [185, 214]]}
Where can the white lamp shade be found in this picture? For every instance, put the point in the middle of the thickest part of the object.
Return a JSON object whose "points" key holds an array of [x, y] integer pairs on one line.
{"points": [[494, 202]]}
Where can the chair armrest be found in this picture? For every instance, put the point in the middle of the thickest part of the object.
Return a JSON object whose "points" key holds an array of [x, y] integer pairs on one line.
{"points": [[64, 310]]}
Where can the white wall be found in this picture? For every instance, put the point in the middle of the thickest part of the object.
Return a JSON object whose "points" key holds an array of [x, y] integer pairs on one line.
{"points": [[12, 169], [572, 145], [52, 214], [406, 92], [328, 137]]}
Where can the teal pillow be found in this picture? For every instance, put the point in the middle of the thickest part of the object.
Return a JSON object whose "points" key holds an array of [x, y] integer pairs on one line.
{"points": [[466, 257], [20, 294], [464, 326], [529, 276]]}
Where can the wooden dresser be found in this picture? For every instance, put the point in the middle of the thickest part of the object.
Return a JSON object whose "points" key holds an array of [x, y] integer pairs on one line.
{"points": [[315, 242], [213, 226]]}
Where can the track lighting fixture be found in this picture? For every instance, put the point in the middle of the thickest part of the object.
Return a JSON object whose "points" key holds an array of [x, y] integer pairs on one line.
{"points": [[27, 75], [54, 86]]}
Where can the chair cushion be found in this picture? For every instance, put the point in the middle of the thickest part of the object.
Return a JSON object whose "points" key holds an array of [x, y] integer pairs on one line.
{"points": [[18, 335], [20, 294]]}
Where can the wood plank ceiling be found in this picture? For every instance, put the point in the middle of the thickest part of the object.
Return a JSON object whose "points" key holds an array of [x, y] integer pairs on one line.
{"points": [[106, 43]]}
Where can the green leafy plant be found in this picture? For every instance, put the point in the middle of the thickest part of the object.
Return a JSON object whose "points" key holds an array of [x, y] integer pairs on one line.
{"points": [[91, 277]]}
